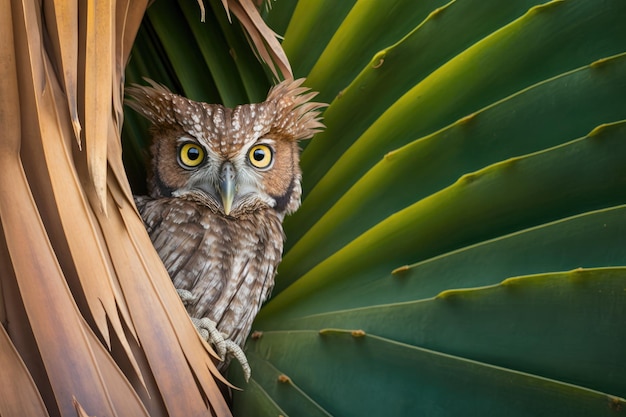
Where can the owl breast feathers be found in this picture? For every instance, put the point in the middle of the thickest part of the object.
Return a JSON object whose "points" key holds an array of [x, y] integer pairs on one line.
{"points": [[221, 181]]}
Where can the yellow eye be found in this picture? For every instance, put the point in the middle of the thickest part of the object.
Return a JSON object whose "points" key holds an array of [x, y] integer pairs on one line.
{"points": [[190, 155], [260, 156]]}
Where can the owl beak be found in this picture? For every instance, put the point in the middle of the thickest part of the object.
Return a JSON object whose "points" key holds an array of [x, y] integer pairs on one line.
{"points": [[227, 186]]}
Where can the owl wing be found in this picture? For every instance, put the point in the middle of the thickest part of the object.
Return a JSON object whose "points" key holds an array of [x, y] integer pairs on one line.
{"points": [[232, 271], [249, 284], [175, 230]]}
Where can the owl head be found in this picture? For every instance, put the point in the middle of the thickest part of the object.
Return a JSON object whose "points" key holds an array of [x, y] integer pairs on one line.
{"points": [[232, 160]]}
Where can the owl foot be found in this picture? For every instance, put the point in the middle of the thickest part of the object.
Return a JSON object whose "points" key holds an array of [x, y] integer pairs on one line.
{"points": [[233, 349], [223, 347], [209, 332], [185, 296]]}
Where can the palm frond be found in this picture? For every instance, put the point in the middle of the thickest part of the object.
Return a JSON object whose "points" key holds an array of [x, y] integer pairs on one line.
{"points": [[91, 322]]}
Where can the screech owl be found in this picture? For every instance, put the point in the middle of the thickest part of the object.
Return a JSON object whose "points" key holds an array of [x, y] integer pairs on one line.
{"points": [[220, 183]]}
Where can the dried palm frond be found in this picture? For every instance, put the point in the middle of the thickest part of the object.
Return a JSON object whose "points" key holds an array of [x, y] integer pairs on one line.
{"points": [[264, 40], [91, 322]]}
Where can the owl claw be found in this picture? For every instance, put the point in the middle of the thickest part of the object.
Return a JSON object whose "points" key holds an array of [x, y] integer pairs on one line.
{"points": [[208, 331], [223, 347], [185, 296], [234, 350]]}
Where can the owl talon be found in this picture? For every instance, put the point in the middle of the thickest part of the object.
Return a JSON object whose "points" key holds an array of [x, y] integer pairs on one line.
{"points": [[223, 347], [234, 350], [185, 296], [208, 331]]}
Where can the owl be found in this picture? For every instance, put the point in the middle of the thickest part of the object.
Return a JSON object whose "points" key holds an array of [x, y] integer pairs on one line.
{"points": [[220, 183]]}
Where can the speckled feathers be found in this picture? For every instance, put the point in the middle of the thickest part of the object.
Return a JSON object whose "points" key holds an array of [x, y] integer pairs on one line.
{"points": [[287, 114]]}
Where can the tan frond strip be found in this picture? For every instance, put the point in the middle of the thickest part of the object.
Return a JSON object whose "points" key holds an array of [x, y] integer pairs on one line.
{"points": [[63, 19], [98, 24], [16, 382], [262, 37]]}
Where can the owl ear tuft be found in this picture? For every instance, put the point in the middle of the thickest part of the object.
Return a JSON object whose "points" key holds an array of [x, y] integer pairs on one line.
{"points": [[155, 102], [297, 117]]}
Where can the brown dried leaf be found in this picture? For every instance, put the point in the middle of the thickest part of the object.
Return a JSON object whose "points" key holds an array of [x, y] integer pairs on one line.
{"points": [[20, 394], [80, 411], [65, 351], [55, 184], [98, 23], [262, 37], [64, 345], [62, 18], [128, 19]]}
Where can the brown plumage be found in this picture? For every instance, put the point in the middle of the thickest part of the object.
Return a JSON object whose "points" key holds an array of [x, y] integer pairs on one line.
{"points": [[221, 182]]}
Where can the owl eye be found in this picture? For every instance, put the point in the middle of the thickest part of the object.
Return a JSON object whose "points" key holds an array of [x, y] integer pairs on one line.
{"points": [[260, 156], [190, 155]]}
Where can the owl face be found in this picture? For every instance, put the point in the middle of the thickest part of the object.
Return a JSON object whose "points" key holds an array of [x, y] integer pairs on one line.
{"points": [[232, 160]]}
